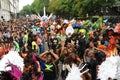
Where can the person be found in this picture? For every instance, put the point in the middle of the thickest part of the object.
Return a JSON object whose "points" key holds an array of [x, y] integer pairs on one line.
{"points": [[2, 51], [50, 64], [54, 42], [34, 44], [20, 40], [68, 57], [82, 45], [39, 43], [25, 38], [32, 69], [17, 47], [92, 65], [88, 51], [112, 49], [89, 58]]}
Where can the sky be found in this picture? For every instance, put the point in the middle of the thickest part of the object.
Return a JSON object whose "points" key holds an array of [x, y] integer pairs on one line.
{"points": [[22, 3]]}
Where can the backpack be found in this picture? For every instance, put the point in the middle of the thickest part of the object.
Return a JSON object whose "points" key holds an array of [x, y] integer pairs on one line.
{"points": [[15, 72]]}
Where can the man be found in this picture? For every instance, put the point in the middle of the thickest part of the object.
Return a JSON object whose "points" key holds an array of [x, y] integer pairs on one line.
{"points": [[54, 42], [82, 45]]}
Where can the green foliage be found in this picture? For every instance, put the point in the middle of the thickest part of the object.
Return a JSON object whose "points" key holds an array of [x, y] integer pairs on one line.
{"points": [[26, 10], [35, 7], [68, 8]]}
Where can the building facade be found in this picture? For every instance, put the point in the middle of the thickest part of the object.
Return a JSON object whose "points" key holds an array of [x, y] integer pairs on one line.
{"points": [[9, 9]]}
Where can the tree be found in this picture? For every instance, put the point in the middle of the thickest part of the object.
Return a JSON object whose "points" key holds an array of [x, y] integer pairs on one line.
{"points": [[78, 7], [37, 5], [60, 7], [93, 6], [68, 8], [26, 10]]}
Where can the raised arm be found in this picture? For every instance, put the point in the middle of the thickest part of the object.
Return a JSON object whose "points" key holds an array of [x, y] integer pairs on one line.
{"points": [[39, 69], [41, 56], [62, 46], [55, 55], [84, 56], [100, 50]]}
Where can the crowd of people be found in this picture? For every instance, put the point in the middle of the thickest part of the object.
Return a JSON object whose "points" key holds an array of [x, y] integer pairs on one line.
{"points": [[50, 48]]}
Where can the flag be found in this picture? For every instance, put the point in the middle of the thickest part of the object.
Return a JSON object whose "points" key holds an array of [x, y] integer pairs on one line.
{"points": [[105, 20], [98, 23], [95, 25], [87, 34], [87, 23]]}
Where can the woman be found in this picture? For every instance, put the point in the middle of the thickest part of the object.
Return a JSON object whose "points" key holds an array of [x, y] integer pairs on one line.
{"points": [[39, 42], [88, 51], [93, 57], [32, 69], [69, 59], [89, 58], [49, 58]]}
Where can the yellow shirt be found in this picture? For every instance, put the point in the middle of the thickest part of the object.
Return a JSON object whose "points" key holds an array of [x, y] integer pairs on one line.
{"points": [[34, 44]]}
